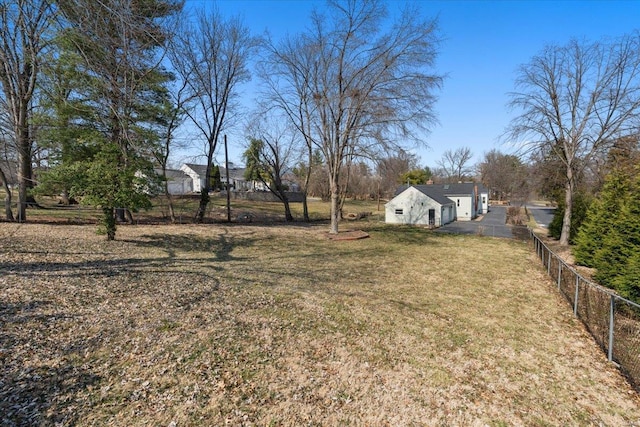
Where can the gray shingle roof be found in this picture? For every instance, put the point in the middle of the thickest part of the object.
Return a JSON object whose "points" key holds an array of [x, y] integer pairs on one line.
{"points": [[431, 191], [445, 190], [235, 173], [199, 169], [173, 173]]}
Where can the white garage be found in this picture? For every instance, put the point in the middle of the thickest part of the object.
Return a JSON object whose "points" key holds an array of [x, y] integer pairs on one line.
{"points": [[418, 206]]}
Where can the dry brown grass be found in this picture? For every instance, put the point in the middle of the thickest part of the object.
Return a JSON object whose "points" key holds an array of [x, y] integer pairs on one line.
{"points": [[255, 325], [186, 207]]}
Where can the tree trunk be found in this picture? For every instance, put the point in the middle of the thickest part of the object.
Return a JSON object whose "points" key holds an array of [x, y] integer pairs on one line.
{"points": [[335, 208], [24, 162], [7, 207], [204, 193], [287, 210], [23, 178], [568, 207], [7, 199], [165, 184], [202, 207], [172, 213], [22, 198], [282, 195], [305, 207], [64, 198], [307, 179], [109, 222]]}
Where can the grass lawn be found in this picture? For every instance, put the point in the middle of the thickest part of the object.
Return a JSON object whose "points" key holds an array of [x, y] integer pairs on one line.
{"points": [[185, 208], [189, 325]]}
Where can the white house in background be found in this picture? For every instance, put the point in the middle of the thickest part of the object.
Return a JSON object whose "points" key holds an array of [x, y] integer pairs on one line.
{"points": [[420, 205], [469, 200], [178, 182], [197, 173], [464, 196], [472, 199], [236, 178]]}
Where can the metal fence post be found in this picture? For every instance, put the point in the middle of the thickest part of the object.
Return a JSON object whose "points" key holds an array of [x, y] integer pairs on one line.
{"points": [[559, 273], [612, 307], [575, 303], [626, 354]]}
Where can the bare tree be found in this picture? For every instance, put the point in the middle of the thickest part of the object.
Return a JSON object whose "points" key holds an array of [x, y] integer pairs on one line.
{"points": [[363, 184], [287, 71], [271, 152], [181, 103], [211, 55], [22, 30], [391, 168], [505, 176], [575, 101], [454, 164], [353, 89]]}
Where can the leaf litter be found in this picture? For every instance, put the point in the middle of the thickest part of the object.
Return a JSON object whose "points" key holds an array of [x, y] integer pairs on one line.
{"points": [[253, 325]]}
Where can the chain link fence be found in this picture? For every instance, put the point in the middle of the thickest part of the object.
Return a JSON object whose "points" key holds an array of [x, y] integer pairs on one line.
{"points": [[613, 321]]}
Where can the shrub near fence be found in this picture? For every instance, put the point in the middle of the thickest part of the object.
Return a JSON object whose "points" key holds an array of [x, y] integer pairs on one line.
{"points": [[613, 321]]}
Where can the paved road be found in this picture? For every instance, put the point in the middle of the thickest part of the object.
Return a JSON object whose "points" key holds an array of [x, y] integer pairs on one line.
{"points": [[542, 215], [493, 223]]}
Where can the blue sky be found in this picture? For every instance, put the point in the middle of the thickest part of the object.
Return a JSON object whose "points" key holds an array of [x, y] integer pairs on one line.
{"points": [[483, 43]]}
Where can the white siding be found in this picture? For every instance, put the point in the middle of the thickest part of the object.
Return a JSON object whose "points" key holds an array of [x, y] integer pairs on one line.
{"points": [[198, 183], [412, 207], [464, 207], [179, 186], [484, 202], [447, 214]]}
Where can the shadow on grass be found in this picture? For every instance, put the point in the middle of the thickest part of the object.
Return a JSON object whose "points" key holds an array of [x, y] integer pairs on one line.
{"points": [[408, 234], [33, 391], [111, 268], [220, 248]]}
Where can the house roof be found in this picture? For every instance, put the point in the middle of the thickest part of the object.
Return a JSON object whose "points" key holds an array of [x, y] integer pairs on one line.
{"points": [[456, 189], [199, 169], [430, 191], [235, 173], [173, 173]]}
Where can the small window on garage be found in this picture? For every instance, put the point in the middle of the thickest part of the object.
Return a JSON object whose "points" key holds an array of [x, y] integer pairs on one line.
{"points": [[399, 212]]}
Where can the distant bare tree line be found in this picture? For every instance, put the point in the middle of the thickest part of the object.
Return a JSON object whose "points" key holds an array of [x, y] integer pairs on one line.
{"points": [[96, 93]]}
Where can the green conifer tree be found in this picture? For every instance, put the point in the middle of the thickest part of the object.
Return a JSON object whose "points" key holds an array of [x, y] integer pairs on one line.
{"points": [[216, 178], [120, 85], [621, 241], [627, 284], [600, 217], [581, 203]]}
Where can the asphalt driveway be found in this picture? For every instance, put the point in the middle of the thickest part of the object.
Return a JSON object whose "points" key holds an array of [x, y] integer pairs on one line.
{"points": [[493, 224], [541, 214]]}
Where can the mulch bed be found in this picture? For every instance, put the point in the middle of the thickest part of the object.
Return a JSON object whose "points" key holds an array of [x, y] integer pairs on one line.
{"points": [[348, 235]]}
